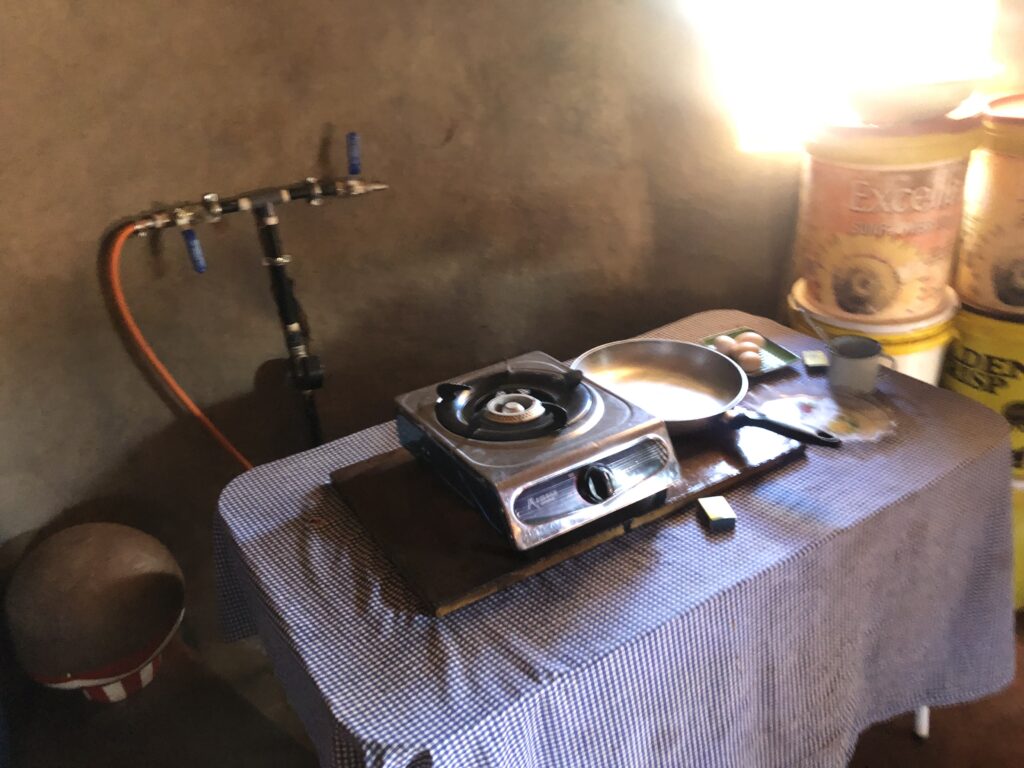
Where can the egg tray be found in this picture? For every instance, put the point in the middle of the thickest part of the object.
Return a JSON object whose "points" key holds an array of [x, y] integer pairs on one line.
{"points": [[774, 357]]}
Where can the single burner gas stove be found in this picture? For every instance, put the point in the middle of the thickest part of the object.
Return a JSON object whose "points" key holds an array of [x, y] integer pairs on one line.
{"points": [[537, 448]]}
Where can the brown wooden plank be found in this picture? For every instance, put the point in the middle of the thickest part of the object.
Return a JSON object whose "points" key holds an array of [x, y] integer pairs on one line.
{"points": [[451, 557]]}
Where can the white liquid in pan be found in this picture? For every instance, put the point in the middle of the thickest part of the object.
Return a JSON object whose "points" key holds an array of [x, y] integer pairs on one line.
{"points": [[682, 399]]}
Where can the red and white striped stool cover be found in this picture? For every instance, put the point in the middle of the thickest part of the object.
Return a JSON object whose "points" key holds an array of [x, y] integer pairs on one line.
{"points": [[119, 680]]}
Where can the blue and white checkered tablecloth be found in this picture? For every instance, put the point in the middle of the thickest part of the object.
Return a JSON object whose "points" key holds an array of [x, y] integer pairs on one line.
{"points": [[860, 583]]}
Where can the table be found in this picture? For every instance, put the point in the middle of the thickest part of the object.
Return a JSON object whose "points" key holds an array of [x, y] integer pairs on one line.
{"points": [[859, 583]]}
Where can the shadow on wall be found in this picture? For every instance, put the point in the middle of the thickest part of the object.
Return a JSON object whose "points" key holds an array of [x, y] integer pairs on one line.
{"points": [[169, 485]]}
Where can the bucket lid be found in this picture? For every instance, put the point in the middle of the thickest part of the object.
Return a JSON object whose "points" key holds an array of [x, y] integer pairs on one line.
{"points": [[1004, 124], [949, 137], [1006, 109], [944, 314]]}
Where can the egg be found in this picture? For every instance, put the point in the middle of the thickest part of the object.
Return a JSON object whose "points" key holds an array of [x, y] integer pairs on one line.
{"points": [[749, 361], [745, 346], [753, 338], [725, 344]]}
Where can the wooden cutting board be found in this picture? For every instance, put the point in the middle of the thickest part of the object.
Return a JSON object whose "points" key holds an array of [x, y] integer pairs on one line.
{"points": [[451, 557]]}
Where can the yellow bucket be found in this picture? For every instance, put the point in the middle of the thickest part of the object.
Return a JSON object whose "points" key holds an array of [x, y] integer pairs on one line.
{"points": [[917, 348], [986, 363]]}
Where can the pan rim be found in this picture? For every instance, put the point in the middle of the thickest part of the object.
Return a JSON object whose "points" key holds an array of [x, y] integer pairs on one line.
{"points": [[743, 378]]}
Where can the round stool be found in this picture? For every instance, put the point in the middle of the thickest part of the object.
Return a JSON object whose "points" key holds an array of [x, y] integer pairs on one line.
{"points": [[92, 607]]}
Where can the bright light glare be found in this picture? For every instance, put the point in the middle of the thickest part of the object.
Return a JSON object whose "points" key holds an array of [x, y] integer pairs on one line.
{"points": [[784, 68]]}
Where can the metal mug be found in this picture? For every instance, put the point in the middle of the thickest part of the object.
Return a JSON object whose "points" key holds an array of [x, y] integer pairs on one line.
{"points": [[854, 362]]}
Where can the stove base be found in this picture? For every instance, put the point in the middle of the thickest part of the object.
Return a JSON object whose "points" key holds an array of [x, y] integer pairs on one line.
{"points": [[450, 557]]}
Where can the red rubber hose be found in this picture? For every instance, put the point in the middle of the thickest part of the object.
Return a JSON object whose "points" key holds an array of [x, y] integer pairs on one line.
{"points": [[128, 321]]}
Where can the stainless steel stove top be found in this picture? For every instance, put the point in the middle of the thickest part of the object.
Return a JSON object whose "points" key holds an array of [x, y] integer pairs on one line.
{"points": [[537, 448]]}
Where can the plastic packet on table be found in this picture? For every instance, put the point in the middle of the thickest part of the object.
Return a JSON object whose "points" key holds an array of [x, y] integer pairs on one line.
{"points": [[854, 418]]}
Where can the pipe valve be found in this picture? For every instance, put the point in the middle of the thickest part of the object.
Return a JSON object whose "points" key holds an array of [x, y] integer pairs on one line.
{"points": [[183, 220]]}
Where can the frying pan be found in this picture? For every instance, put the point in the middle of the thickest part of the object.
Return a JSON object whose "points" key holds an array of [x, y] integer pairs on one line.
{"points": [[688, 386]]}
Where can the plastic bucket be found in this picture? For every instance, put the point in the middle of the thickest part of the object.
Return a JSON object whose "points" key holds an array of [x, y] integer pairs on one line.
{"points": [[879, 217], [986, 363], [990, 269], [917, 347]]}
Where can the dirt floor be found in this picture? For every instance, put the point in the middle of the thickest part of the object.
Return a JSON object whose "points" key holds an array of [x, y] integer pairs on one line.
{"points": [[185, 717], [984, 734]]}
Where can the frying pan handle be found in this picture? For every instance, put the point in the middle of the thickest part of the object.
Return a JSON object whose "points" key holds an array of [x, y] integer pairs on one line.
{"points": [[740, 417]]}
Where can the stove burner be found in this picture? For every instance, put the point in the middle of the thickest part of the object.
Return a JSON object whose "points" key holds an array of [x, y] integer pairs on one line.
{"points": [[514, 408], [513, 404]]}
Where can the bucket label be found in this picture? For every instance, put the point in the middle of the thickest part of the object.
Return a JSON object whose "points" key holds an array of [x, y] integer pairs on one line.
{"points": [[985, 373], [876, 243], [986, 363], [990, 271]]}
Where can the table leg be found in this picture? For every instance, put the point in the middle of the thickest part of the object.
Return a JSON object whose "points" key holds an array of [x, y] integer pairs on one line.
{"points": [[921, 722]]}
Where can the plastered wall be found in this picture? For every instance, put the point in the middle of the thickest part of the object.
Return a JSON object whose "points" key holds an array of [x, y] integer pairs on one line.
{"points": [[560, 178]]}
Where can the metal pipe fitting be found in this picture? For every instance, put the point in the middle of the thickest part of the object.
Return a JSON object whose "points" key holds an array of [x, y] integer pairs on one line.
{"points": [[213, 208]]}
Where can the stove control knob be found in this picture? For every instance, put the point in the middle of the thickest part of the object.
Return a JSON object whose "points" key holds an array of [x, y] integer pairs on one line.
{"points": [[597, 483]]}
